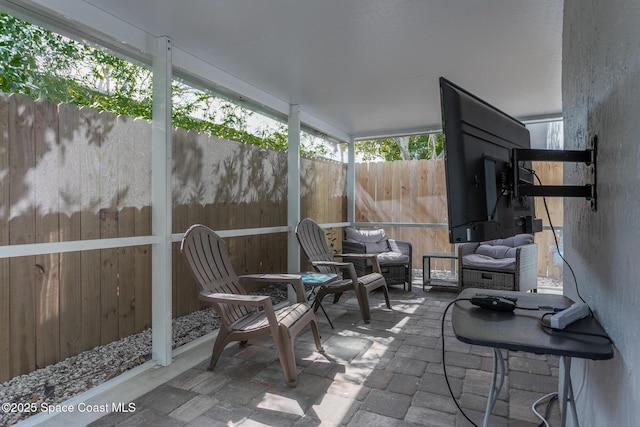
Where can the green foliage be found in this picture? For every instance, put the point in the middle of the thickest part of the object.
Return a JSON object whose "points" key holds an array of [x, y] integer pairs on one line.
{"points": [[32, 59], [40, 64], [428, 146]]}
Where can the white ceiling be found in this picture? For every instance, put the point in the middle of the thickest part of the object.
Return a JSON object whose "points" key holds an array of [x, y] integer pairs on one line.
{"points": [[366, 67]]}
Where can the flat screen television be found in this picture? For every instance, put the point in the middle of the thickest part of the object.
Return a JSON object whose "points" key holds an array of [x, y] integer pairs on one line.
{"points": [[480, 172]]}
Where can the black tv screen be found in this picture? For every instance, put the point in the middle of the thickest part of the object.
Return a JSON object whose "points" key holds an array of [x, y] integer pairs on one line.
{"points": [[479, 140]]}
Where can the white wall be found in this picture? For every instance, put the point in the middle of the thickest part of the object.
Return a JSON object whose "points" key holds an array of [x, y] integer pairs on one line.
{"points": [[601, 95]]}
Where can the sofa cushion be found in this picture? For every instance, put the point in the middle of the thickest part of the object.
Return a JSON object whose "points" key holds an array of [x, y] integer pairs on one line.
{"points": [[376, 247], [497, 251], [514, 241], [374, 239], [371, 235], [486, 262], [386, 258]]}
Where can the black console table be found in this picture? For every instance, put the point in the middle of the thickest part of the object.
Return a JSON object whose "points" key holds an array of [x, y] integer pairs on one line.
{"points": [[522, 330]]}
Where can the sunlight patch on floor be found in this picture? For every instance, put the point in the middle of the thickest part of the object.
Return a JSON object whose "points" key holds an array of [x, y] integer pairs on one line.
{"points": [[274, 402]]}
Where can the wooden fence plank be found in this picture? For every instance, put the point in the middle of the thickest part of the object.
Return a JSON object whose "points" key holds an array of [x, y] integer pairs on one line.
{"points": [[107, 180], [421, 189], [379, 193], [248, 247], [5, 324], [304, 190], [21, 230], [126, 274], [317, 198], [389, 191], [362, 191], [338, 192], [312, 195], [109, 270], [71, 299], [189, 208], [407, 179], [266, 252], [404, 178], [324, 190], [89, 137], [319, 193], [126, 214], [47, 298], [392, 174], [366, 190]]}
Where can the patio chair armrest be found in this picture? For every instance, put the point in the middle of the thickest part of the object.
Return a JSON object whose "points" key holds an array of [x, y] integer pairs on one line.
{"points": [[344, 266], [221, 301], [467, 249], [269, 278], [371, 257], [331, 264], [238, 299], [403, 247], [248, 281]]}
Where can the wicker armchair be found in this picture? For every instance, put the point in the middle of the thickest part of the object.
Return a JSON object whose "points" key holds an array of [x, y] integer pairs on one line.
{"points": [[394, 256], [504, 264]]}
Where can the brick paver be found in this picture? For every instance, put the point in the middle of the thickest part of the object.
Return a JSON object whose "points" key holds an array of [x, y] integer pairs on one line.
{"points": [[386, 373]]}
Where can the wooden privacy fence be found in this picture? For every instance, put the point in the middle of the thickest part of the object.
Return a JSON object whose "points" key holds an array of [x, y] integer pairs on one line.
{"points": [[414, 191], [69, 174], [411, 191]]}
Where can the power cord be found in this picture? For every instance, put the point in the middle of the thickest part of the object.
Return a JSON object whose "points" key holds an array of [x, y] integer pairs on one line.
{"points": [[555, 238], [551, 396], [575, 280], [495, 206], [444, 365]]}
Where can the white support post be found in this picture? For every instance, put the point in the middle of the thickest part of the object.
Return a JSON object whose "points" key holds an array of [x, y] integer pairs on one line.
{"points": [[161, 159], [351, 182], [293, 192]]}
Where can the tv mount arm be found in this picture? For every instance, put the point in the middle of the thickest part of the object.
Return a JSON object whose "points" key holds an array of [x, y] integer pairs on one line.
{"points": [[588, 157]]}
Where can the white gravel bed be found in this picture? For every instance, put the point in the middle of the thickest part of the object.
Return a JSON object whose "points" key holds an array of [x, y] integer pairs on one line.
{"points": [[57, 383]]}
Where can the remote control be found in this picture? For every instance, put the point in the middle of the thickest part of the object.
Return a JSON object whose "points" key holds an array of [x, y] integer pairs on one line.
{"points": [[493, 302], [510, 298]]}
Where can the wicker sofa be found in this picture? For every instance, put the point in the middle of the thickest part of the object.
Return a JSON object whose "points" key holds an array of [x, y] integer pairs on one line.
{"points": [[394, 256], [503, 264]]}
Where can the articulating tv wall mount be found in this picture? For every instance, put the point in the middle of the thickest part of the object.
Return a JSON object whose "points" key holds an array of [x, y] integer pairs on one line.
{"points": [[588, 157]]}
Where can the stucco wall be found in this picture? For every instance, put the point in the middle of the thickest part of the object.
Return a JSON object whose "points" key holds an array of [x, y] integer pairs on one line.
{"points": [[601, 95]]}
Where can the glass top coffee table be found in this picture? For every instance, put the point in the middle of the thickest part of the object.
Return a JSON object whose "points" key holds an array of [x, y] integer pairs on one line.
{"points": [[317, 281], [450, 284]]}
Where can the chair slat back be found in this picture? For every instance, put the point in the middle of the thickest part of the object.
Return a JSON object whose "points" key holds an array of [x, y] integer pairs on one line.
{"points": [[314, 244], [207, 257]]}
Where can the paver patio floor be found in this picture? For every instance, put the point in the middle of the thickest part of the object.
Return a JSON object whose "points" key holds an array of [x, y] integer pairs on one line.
{"points": [[387, 373]]}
